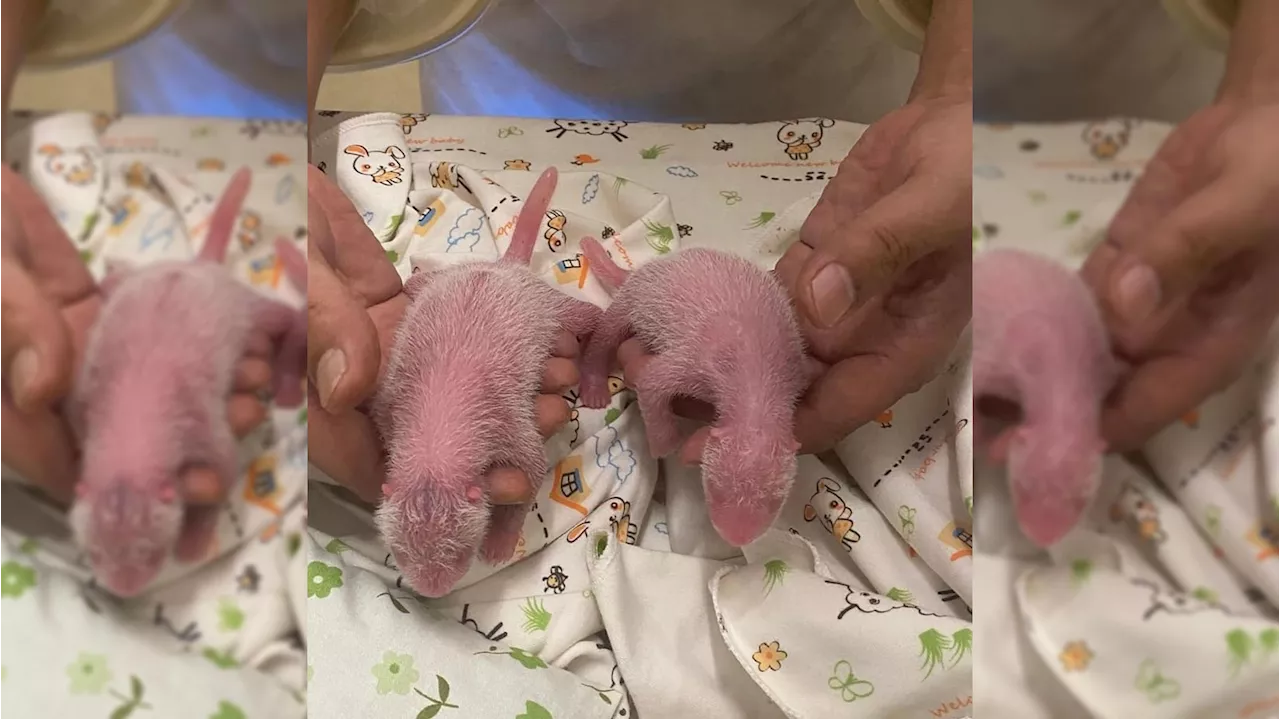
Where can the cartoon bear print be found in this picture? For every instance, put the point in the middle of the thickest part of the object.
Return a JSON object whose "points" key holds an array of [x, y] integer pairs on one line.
{"points": [[74, 165], [826, 505], [1134, 504], [383, 167], [803, 136], [1106, 138]]}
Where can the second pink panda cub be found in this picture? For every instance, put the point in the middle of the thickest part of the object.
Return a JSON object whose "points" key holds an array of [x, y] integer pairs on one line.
{"points": [[150, 400], [1040, 343], [724, 332], [457, 399]]}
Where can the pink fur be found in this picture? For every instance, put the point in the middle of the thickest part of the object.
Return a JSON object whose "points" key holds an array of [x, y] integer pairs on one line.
{"points": [[1039, 341], [150, 402], [723, 332], [457, 399]]}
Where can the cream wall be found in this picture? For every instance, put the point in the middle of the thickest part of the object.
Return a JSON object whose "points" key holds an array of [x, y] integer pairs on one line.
{"points": [[391, 89], [86, 87]]}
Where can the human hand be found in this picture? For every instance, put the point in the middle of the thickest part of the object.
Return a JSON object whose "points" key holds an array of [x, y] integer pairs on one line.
{"points": [[1187, 277], [355, 302], [882, 274], [50, 302]]}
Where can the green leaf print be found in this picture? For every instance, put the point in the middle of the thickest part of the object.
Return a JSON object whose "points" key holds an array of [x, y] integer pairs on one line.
{"points": [[962, 643], [1269, 639], [1239, 649], [131, 703], [534, 710], [761, 220], [774, 572], [88, 674], [527, 660], [221, 659], [933, 644], [899, 594], [395, 602], [1071, 218], [653, 152], [393, 224], [1213, 520], [230, 615], [15, 579], [536, 616], [393, 256], [611, 415], [86, 256], [227, 710], [1080, 570], [658, 236], [395, 673], [322, 579], [1037, 197], [293, 543], [436, 705], [907, 519], [28, 546], [1205, 594], [336, 546]]}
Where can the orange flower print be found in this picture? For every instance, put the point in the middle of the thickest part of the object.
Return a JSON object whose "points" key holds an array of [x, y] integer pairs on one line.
{"points": [[1075, 656], [769, 657]]}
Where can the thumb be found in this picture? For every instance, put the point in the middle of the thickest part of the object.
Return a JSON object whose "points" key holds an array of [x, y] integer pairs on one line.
{"points": [[852, 264], [1157, 268], [37, 351], [343, 356]]}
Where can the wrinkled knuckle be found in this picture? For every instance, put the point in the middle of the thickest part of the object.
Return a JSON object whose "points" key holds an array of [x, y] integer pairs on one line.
{"points": [[893, 252]]}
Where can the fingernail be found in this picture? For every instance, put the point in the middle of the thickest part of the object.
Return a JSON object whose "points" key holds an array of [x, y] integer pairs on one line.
{"points": [[333, 364], [1137, 293], [833, 294], [22, 372]]}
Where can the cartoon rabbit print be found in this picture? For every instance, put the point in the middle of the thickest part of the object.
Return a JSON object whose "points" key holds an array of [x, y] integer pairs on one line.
{"points": [[833, 513], [803, 136], [382, 166]]}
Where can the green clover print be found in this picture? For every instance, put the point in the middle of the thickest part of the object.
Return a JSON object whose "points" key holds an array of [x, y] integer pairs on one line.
{"points": [[1154, 684], [851, 688]]}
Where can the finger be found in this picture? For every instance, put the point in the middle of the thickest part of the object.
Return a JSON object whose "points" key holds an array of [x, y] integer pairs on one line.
{"points": [[346, 447], [244, 413], [343, 354], [251, 375], [550, 413], [1155, 395], [47, 253], [852, 264], [852, 393], [691, 452], [559, 375], [258, 344], [37, 350], [201, 485], [1155, 269], [37, 446], [338, 232], [508, 485], [566, 345]]}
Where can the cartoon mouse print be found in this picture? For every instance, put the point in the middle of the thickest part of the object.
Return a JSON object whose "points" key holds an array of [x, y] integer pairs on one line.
{"points": [[803, 136], [1136, 505], [869, 603], [444, 175], [382, 166], [834, 514], [554, 235], [1107, 138], [75, 165]]}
